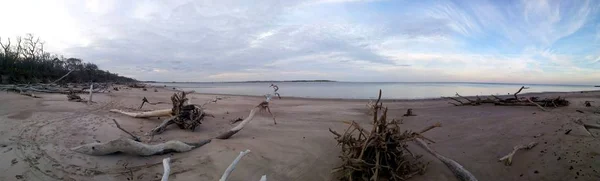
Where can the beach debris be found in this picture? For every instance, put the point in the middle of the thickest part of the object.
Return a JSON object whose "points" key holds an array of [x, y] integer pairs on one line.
{"points": [[155, 113], [74, 97], [538, 135], [129, 146], [588, 103], [89, 101], [186, 116], [134, 146], [409, 112], [135, 137], [155, 90], [144, 89], [568, 131], [166, 169], [579, 111], [231, 167], [587, 127], [512, 101], [508, 158], [233, 121], [145, 100], [458, 170], [381, 153], [262, 106], [137, 85], [275, 89]]}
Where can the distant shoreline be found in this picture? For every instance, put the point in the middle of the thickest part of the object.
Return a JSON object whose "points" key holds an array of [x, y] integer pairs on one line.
{"points": [[253, 81], [327, 81]]}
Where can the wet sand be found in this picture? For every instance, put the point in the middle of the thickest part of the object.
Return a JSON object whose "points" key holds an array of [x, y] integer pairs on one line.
{"points": [[36, 134]]}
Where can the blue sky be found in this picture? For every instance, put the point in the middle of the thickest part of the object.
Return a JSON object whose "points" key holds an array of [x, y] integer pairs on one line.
{"points": [[528, 41]]}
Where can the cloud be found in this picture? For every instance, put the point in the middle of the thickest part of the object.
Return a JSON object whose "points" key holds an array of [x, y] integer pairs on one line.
{"points": [[351, 40]]}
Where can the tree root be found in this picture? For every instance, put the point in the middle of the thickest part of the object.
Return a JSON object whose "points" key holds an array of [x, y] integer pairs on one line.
{"points": [[508, 158], [459, 171], [379, 154], [129, 146]]}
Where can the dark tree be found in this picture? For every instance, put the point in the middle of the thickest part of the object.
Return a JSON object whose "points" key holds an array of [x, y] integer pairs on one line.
{"points": [[25, 61]]}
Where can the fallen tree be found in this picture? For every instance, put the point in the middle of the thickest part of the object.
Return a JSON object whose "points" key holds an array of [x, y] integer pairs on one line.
{"points": [[136, 147], [512, 101]]}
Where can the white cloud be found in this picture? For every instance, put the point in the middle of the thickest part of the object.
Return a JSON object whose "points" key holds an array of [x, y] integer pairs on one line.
{"points": [[330, 39]]}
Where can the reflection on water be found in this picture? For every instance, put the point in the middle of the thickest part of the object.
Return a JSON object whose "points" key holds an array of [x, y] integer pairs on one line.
{"points": [[362, 90]]}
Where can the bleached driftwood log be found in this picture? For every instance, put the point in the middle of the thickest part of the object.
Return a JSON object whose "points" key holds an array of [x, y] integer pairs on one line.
{"points": [[91, 92], [155, 113], [232, 165], [129, 146], [508, 158], [240, 126], [262, 106], [263, 178], [459, 171], [167, 169]]}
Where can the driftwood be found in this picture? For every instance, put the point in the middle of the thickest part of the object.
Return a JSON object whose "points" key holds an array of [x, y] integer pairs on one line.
{"points": [[588, 103], [145, 100], [381, 153], [89, 101], [129, 146], [135, 137], [459, 171], [62, 77], [409, 112], [155, 113], [508, 158], [231, 167], [587, 127], [186, 116], [262, 106], [516, 101], [167, 169]]}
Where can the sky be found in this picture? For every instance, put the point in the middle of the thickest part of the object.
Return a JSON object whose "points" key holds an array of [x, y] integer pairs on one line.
{"points": [[505, 41]]}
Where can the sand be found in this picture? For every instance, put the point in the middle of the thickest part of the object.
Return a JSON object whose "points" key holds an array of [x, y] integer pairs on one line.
{"points": [[36, 134]]}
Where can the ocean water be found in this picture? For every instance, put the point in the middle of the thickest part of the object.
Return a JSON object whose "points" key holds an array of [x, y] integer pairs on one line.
{"points": [[369, 90]]}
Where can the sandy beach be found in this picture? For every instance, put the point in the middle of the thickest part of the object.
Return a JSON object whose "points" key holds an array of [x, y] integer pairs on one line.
{"points": [[36, 134]]}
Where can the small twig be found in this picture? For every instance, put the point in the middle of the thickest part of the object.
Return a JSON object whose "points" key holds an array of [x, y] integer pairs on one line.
{"points": [[136, 138], [508, 158]]}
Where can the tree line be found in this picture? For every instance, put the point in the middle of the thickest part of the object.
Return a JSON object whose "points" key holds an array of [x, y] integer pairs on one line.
{"points": [[24, 60]]}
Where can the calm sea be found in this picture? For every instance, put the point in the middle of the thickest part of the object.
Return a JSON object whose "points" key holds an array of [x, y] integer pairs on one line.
{"points": [[368, 90]]}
